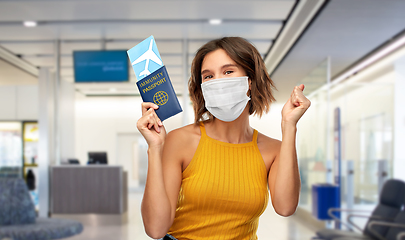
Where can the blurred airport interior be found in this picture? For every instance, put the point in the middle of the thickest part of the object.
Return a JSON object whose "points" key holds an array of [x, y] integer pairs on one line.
{"points": [[69, 102]]}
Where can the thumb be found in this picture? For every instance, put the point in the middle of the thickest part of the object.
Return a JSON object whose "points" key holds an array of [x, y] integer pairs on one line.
{"points": [[301, 87]]}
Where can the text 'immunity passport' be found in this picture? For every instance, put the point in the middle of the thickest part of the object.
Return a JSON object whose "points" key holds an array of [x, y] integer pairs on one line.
{"points": [[152, 79]]}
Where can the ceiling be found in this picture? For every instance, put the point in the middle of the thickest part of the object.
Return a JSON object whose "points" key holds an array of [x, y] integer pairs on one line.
{"points": [[344, 30], [309, 30], [177, 26]]}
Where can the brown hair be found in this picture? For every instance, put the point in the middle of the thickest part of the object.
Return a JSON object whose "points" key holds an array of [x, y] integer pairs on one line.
{"points": [[246, 56]]}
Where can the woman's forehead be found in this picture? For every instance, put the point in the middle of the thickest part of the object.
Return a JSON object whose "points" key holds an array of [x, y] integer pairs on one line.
{"points": [[217, 58]]}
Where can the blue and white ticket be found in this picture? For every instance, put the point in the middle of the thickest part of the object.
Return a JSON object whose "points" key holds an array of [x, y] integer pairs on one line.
{"points": [[145, 58]]}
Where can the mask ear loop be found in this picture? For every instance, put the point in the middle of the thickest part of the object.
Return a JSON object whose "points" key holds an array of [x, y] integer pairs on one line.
{"points": [[250, 90]]}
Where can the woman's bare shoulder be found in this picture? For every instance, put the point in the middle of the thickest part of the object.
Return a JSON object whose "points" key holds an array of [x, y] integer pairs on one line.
{"points": [[268, 147], [265, 140], [190, 130], [182, 143], [184, 136]]}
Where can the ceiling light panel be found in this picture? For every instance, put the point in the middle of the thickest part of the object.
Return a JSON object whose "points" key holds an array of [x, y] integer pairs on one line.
{"points": [[30, 23]]}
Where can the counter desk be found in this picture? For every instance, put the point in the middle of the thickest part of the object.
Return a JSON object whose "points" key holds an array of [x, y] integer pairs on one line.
{"points": [[100, 189]]}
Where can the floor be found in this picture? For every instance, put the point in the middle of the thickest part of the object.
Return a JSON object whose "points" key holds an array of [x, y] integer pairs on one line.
{"points": [[130, 226]]}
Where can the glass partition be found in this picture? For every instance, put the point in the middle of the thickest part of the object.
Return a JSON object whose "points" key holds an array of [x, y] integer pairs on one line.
{"points": [[367, 135], [366, 106], [312, 134]]}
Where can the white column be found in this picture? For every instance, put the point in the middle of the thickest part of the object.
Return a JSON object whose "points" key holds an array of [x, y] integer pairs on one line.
{"points": [[66, 121], [56, 102], [185, 83], [45, 143], [399, 120]]}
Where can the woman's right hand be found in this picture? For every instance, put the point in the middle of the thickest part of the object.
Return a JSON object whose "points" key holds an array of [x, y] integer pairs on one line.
{"points": [[150, 125]]}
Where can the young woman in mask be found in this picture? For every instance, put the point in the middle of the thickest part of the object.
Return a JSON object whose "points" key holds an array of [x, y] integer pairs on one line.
{"points": [[210, 179]]}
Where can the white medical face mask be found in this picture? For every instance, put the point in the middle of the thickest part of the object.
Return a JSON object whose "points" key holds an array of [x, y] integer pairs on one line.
{"points": [[226, 98]]}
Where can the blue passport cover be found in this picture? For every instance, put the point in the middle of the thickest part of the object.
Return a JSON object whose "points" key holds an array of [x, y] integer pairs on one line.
{"points": [[153, 81], [157, 88]]}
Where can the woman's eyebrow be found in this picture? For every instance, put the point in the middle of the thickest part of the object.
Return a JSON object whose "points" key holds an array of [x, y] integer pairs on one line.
{"points": [[205, 71], [224, 66], [229, 65]]}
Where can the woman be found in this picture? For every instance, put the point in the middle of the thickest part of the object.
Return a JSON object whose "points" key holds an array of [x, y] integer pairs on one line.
{"points": [[210, 179]]}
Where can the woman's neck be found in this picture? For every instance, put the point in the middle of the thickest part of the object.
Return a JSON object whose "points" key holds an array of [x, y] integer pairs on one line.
{"points": [[237, 131]]}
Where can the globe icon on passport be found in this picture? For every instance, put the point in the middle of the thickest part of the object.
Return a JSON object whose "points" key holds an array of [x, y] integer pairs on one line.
{"points": [[160, 98]]}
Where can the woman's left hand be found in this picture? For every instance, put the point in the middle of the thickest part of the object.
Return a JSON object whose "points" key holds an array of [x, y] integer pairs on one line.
{"points": [[295, 107]]}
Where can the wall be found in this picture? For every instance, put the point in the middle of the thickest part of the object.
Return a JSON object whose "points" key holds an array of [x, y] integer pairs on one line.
{"points": [[19, 102], [100, 119], [270, 123]]}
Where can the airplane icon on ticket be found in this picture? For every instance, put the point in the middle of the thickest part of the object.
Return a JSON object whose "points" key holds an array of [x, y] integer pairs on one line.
{"points": [[147, 56]]}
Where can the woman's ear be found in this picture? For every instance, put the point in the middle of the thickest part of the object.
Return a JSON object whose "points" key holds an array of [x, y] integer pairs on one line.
{"points": [[250, 84]]}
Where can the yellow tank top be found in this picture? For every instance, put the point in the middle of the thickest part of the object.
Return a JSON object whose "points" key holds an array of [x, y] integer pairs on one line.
{"points": [[223, 191]]}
